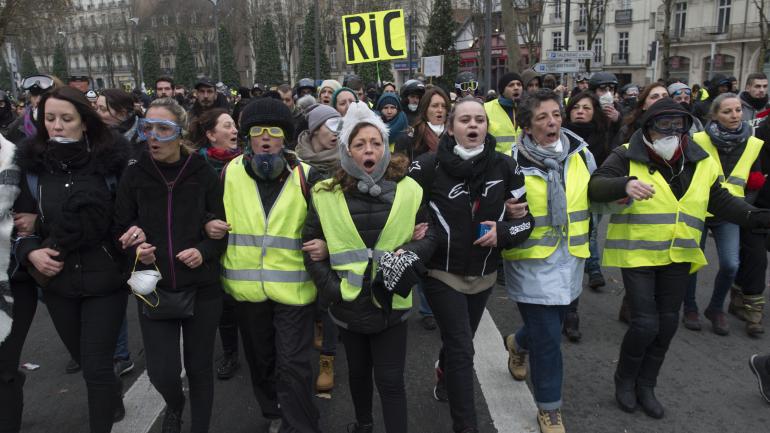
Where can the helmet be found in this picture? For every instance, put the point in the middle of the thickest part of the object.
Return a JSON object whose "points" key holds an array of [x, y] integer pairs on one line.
{"points": [[466, 77], [305, 83], [351, 80], [602, 79], [412, 87], [581, 77]]}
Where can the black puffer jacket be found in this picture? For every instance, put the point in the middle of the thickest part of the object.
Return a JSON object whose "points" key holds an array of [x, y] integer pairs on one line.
{"points": [[143, 200], [456, 227], [92, 269], [369, 215]]}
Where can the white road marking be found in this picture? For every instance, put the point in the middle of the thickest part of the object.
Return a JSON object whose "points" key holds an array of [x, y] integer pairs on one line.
{"points": [[510, 402], [143, 407]]}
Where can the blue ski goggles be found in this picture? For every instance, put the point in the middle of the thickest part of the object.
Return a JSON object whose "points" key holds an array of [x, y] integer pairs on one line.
{"points": [[159, 129]]}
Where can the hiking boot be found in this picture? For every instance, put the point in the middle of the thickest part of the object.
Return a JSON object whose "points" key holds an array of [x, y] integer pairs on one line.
{"points": [[550, 421], [596, 280], [172, 421], [439, 390], [752, 313], [325, 380], [360, 428], [123, 366], [517, 360], [718, 322], [318, 337], [626, 374], [624, 314], [572, 327], [736, 302], [645, 395], [645, 386], [275, 425], [228, 366], [758, 365], [428, 323], [72, 366], [691, 320]]}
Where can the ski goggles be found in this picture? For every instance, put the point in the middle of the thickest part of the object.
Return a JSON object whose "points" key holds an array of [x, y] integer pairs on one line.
{"points": [[334, 125], [679, 92], [37, 82], [159, 129], [273, 131], [670, 125], [469, 86]]}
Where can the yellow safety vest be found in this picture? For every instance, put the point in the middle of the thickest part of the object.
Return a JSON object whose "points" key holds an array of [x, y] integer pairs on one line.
{"points": [[348, 254], [501, 127], [263, 259], [544, 239], [661, 230], [736, 181]]}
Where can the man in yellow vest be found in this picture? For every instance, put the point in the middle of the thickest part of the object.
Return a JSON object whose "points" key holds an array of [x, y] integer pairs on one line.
{"points": [[502, 112], [670, 184], [263, 269]]}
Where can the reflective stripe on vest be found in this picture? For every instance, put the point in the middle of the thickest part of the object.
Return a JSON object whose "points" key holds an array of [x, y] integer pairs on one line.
{"points": [[736, 181], [263, 259], [544, 239], [661, 230], [501, 127], [348, 254]]}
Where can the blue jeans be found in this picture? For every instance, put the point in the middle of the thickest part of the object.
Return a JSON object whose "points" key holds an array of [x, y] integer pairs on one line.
{"points": [[121, 348], [593, 263], [541, 337], [424, 307], [727, 239]]}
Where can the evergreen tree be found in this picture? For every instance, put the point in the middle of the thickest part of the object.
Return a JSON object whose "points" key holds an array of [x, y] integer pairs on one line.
{"points": [[368, 72], [268, 59], [227, 58], [60, 62], [307, 55], [150, 62], [184, 73], [28, 66], [439, 42], [5, 75]]}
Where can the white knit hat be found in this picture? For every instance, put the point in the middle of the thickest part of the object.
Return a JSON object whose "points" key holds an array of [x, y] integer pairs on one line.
{"points": [[359, 112]]}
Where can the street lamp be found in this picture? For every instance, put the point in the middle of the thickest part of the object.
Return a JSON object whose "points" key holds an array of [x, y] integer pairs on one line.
{"points": [[137, 54], [216, 30]]}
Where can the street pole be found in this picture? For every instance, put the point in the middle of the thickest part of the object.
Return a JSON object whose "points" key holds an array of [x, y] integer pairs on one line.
{"points": [[66, 53], [410, 45], [488, 45], [216, 35], [316, 42], [566, 26], [137, 55]]}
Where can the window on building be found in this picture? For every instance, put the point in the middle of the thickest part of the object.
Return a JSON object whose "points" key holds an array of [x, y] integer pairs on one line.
{"points": [[598, 50], [333, 56], [193, 18], [178, 18], [623, 45], [556, 37], [153, 21], [624, 4], [723, 15], [557, 9], [583, 15], [581, 44], [164, 19], [413, 47], [680, 19]]}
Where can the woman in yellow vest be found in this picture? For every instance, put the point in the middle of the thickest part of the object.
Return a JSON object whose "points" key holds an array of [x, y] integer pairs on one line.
{"points": [[729, 141], [364, 213], [544, 274], [670, 184]]}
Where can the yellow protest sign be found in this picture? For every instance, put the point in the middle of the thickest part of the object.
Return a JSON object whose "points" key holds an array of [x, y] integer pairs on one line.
{"points": [[374, 36]]}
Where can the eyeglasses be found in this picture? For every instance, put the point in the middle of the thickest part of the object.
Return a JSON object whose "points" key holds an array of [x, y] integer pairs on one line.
{"points": [[687, 92], [273, 131], [159, 129], [469, 86], [334, 125], [670, 124], [41, 82]]}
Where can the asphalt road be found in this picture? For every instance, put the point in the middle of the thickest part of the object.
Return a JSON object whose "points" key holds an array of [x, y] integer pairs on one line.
{"points": [[705, 384]]}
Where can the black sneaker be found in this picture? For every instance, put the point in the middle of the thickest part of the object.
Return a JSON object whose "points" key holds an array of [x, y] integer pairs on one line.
{"points": [[123, 366], [172, 421], [228, 366], [439, 390], [72, 367], [758, 365], [596, 280], [360, 428]]}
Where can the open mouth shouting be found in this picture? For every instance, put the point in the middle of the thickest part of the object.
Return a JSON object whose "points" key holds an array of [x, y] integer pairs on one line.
{"points": [[369, 164]]}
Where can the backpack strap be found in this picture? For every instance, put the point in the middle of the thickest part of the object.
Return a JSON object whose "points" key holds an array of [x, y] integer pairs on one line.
{"points": [[303, 181]]}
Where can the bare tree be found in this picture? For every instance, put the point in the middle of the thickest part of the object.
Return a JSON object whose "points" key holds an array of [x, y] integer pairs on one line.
{"points": [[595, 12], [530, 19], [665, 38], [510, 28], [764, 27]]}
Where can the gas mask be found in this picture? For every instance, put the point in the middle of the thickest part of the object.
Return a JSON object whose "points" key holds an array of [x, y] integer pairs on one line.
{"points": [[268, 166]]}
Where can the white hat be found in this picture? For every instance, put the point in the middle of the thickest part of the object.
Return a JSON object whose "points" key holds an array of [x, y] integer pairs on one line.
{"points": [[359, 112]]}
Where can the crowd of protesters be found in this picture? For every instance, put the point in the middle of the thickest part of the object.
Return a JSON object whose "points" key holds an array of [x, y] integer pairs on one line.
{"points": [[303, 217]]}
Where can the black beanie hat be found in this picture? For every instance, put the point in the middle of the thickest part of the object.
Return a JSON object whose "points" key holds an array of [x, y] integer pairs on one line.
{"points": [[665, 107], [507, 77], [267, 112]]}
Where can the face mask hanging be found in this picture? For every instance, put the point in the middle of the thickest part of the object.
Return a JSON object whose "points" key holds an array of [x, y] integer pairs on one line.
{"points": [[143, 283]]}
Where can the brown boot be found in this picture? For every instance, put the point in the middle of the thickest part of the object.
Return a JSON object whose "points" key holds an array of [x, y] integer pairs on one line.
{"points": [[752, 313], [736, 302], [325, 380]]}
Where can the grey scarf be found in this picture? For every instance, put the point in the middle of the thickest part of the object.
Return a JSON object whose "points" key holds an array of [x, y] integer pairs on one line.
{"points": [[373, 184], [726, 140], [553, 163]]}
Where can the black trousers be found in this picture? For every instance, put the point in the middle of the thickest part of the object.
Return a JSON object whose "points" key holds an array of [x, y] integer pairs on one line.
{"points": [[228, 327], [383, 354], [164, 366], [89, 328], [11, 379], [277, 342], [655, 295], [458, 316], [753, 256]]}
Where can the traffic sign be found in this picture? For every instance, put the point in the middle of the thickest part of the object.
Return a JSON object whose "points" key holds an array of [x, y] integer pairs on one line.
{"points": [[556, 68], [551, 56]]}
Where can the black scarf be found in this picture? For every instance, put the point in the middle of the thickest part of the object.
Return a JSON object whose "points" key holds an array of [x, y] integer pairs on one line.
{"points": [[755, 103], [67, 156], [473, 171], [584, 130]]}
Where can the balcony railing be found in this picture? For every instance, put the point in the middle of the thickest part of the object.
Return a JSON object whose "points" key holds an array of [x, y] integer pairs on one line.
{"points": [[715, 33], [555, 18], [624, 17], [579, 26], [620, 59]]}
